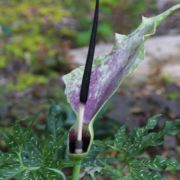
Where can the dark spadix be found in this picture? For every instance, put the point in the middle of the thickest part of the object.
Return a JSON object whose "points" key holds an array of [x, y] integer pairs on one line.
{"points": [[77, 146], [108, 72]]}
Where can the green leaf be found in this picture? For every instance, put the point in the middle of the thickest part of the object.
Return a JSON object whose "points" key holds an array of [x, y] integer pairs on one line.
{"points": [[137, 174], [105, 30], [7, 158], [91, 171], [152, 122], [10, 171], [93, 159], [134, 142], [140, 132], [60, 117], [30, 157], [82, 38], [30, 153], [158, 163], [115, 173], [172, 127], [129, 148], [147, 168], [58, 172]]}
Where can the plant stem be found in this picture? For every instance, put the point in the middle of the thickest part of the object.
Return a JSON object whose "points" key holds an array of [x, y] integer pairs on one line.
{"points": [[76, 170]]}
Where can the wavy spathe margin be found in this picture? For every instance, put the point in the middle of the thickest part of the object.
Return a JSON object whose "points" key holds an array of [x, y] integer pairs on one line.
{"points": [[109, 71]]}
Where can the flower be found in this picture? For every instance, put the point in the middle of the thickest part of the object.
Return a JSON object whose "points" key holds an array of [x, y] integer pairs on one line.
{"points": [[110, 70]]}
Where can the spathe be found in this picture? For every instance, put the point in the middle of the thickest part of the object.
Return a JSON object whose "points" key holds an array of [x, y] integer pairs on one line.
{"points": [[109, 71]]}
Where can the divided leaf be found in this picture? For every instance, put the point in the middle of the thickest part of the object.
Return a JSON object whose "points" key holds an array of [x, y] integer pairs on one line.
{"points": [[124, 158], [31, 157]]}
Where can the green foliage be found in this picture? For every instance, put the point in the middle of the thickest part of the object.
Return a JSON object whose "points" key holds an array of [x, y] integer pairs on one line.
{"points": [[123, 157], [42, 154], [173, 96], [38, 34], [60, 118], [82, 38], [105, 29], [30, 32], [26, 80], [32, 156], [3, 62], [110, 10]]}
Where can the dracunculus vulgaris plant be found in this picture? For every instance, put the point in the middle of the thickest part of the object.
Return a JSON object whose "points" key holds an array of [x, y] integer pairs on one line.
{"points": [[87, 89]]}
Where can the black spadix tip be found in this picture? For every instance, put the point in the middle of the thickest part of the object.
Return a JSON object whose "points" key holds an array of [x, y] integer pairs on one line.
{"points": [[88, 66]]}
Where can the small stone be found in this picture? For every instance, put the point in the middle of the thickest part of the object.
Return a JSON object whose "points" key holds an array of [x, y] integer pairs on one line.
{"points": [[170, 141], [161, 53], [172, 72]]}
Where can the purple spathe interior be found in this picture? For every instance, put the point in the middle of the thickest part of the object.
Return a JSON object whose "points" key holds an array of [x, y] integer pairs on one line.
{"points": [[73, 138], [105, 79]]}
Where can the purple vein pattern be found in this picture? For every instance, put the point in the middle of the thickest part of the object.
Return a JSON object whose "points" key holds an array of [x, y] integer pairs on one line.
{"points": [[109, 71]]}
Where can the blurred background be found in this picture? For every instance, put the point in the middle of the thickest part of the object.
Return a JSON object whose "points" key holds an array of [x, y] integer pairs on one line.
{"points": [[42, 40]]}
